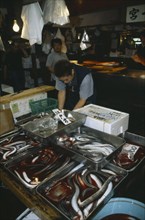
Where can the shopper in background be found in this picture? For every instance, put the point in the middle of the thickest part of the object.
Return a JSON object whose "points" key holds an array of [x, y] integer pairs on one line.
{"points": [[13, 68], [139, 56], [74, 84], [55, 55], [2, 55]]}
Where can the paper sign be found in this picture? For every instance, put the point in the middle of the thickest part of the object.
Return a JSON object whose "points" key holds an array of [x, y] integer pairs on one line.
{"points": [[135, 13]]}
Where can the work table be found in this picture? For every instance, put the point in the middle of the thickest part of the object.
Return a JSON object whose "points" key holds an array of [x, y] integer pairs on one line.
{"points": [[112, 68]]}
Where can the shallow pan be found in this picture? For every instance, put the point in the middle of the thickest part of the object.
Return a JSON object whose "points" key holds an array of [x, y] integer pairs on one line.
{"points": [[90, 143], [78, 193], [121, 174], [33, 167], [33, 127], [15, 144], [130, 155]]}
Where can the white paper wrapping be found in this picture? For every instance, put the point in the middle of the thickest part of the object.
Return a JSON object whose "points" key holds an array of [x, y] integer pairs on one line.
{"points": [[33, 23], [56, 12], [84, 42], [1, 45]]}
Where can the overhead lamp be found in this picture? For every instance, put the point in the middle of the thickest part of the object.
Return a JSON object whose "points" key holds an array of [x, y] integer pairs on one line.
{"points": [[16, 27]]}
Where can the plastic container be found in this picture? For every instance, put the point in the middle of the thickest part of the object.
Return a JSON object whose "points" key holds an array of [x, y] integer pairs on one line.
{"points": [[43, 105], [122, 208]]}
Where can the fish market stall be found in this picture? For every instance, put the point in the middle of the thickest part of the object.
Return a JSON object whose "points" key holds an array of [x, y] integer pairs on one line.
{"points": [[70, 172]]}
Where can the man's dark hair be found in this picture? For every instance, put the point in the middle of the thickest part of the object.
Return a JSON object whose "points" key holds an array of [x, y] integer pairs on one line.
{"points": [[63, 68], [56, 41]]}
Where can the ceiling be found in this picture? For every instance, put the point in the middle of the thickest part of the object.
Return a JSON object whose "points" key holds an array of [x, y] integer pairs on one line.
{"points": [[77, 7]]}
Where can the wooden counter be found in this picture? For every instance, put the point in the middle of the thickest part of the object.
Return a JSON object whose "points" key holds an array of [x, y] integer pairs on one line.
{"points": [[112, 69], [29, 198], [28, 92]]}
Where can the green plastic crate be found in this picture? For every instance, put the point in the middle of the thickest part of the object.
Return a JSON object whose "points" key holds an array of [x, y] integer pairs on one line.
{"points": [[43, 105]]}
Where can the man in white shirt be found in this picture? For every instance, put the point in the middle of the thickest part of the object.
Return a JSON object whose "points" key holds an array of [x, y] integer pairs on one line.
{"points": [[54, 57]]}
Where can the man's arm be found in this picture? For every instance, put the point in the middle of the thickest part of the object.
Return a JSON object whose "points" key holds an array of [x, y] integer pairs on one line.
{"points": [[86, 90], [80, 103], [49, 62], [50, 69], [61, 98]]}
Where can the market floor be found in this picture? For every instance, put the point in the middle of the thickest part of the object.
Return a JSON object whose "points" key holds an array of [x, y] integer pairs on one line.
{"points": [[10, 206]]}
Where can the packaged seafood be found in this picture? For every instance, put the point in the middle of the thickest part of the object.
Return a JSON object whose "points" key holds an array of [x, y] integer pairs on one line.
{"points": [[131, 154]]}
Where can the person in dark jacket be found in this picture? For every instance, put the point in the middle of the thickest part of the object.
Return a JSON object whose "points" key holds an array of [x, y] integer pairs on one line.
{"points": [[139, 56], [13, 68], [74, 84]]}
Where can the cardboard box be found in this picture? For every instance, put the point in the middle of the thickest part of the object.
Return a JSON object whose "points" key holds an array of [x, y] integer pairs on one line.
{"points": [[104, 119], [19, 102], [6, 121], [21, 107]]}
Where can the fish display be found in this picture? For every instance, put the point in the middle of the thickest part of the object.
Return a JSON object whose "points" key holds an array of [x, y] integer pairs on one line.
{"points": [[86, 144], [129, 156], [32, 168], [15, 144], [80, 191]]}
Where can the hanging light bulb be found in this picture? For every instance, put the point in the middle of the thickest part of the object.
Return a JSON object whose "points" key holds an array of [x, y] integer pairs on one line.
{"points": [[15, 26]]}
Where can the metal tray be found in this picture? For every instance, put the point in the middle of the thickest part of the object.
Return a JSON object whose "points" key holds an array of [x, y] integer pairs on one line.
{"points": [[14, 144], [33, 126], [134, 156], [111, 169], [79, 139], [80, 192], [33, 167]]}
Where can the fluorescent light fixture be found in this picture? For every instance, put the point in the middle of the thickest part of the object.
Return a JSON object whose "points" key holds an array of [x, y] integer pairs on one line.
{"points": [[137, 43], [136, 39]]}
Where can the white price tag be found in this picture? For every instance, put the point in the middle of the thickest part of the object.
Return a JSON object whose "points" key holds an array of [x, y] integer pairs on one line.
{"points": [[61, 116]]}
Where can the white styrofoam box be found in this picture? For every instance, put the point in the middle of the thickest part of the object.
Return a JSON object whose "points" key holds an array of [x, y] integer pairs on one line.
{"points": [[105, 119], [21, 106]]}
